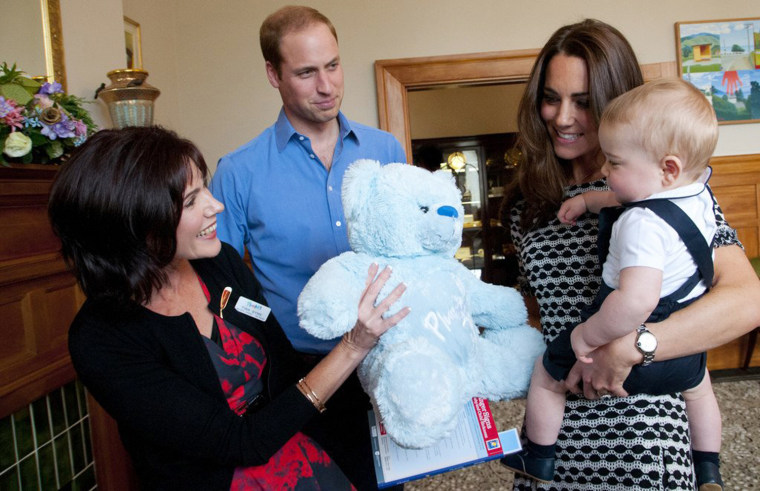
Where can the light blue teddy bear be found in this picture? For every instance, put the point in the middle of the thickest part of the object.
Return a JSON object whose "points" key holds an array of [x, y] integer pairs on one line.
{"points": [[422, 371]]}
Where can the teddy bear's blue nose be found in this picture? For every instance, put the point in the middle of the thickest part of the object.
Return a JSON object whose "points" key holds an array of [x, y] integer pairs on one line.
{"points": [[448, 211]]}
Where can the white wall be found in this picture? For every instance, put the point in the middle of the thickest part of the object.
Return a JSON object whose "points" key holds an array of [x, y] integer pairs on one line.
{"points": [[93, 43], [204, 56]]}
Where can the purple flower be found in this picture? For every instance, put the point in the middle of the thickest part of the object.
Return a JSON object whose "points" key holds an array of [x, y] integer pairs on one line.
{"points": [[49, 88], [5, 107], [62, 129]]}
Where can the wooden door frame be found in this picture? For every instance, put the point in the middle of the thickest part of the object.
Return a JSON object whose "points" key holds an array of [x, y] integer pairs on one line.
{"points": [[396, 77]]}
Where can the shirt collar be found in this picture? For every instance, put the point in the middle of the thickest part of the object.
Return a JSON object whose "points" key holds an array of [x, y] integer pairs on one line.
{"points": [[284, 131]]}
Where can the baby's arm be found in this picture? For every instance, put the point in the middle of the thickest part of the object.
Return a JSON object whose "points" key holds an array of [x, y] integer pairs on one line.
{"points": [[592, 201], [621, 312]]}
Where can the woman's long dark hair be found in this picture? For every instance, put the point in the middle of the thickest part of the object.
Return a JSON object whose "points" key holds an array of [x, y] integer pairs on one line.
{"points": [[612, 70], [116, 204]]}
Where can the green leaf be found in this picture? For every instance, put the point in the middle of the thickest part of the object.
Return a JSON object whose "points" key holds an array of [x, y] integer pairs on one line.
{"points": [[28, 82], [15, 92], [9, 73], [38, 139]]}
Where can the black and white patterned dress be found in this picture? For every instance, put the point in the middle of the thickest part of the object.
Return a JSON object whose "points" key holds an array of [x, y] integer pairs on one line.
{"points": [[636, 442]]}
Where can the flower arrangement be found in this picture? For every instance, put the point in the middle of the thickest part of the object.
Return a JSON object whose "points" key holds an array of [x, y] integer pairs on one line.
{"points": [[38, 122]]}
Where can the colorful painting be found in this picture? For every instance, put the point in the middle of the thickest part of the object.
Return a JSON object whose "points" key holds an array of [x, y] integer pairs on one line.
{"points": [[722, 59]]}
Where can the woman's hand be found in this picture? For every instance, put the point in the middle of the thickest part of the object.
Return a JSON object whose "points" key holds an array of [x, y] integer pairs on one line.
{"points": [[609, 368], [371, 324], [325, 378]]}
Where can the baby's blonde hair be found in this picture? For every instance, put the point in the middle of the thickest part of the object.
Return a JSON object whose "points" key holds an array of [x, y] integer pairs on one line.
{"points": [[668, 117]]}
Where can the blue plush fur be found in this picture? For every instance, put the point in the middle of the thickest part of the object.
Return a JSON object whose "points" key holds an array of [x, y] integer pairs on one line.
{"points": [[422, 371]]}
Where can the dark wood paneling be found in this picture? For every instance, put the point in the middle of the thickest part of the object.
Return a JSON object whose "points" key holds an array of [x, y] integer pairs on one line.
{"points": [[38, 300]]}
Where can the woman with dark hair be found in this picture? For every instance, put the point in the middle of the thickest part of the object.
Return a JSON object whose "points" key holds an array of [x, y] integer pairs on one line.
{"points": [[627, 442], [175, 340]]}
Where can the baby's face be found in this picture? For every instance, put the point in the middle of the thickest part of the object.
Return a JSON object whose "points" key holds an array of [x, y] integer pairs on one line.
{"points": [[632, 174]]}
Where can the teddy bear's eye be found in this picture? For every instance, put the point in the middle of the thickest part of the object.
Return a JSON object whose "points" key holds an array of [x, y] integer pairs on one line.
{"points": [[424, 209]]}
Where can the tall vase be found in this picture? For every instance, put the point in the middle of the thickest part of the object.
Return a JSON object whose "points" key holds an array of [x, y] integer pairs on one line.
{"points": [[129, 97]]}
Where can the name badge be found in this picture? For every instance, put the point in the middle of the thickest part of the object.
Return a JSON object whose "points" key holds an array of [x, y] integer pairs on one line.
{"points": [[252, 309]]}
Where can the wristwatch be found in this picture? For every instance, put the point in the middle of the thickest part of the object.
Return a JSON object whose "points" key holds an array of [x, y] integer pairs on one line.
{"points": [[646, 343]]}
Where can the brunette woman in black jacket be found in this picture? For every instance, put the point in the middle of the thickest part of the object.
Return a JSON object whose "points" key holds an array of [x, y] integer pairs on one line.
{"points": [[175, 340]]}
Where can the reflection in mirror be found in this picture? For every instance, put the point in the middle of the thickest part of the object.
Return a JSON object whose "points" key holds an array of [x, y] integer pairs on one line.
{"points": [[21, 36], [30, 36]]}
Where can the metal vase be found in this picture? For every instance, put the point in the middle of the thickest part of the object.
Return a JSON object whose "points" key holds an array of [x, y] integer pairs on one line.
{"points": [[129, 97]]}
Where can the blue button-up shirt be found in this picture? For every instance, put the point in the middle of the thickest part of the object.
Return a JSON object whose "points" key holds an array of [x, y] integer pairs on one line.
{"points": [[282, 203]]}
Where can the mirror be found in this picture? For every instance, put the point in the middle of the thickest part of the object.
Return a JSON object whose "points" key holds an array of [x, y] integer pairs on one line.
{"points": [[31, 36], [395, 78]]}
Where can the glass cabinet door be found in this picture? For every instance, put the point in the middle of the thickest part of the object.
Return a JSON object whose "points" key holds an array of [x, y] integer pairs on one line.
{"points": [[465, 165]]}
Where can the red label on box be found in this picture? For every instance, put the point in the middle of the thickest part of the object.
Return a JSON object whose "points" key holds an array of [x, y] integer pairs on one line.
{"points": [[487, 426]]}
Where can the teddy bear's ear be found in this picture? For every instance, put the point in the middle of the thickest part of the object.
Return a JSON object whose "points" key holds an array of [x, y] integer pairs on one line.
{"points": [[445, 176], [357, 182]]}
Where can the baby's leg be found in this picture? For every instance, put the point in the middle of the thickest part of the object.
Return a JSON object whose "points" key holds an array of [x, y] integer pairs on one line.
{"points": [[704, 416], [545, 407]]}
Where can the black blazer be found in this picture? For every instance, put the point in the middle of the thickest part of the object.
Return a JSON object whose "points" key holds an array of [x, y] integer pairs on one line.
{"points": [[154, 375]]}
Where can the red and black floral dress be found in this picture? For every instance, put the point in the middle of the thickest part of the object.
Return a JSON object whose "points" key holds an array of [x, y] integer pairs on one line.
{"points": [[301, 464]]}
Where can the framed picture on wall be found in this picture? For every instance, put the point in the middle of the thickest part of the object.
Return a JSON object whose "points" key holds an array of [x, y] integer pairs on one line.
{"points": [[132, 43], [722, 59]]}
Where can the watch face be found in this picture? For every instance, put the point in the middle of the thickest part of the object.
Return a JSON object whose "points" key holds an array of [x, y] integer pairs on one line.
{"points": [[647, 342]]}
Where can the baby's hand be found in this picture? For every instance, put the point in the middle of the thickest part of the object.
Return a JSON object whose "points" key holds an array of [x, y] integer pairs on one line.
{"points": [[580, 347], [571, 209]]}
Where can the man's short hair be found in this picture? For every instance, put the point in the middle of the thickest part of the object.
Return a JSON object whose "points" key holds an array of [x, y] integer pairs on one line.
{"points": [[284, 21]]}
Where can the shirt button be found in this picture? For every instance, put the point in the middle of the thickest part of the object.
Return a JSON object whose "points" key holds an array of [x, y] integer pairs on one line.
{"points": [[311, 155], [329, 188], [337, 223], [300, 138]]}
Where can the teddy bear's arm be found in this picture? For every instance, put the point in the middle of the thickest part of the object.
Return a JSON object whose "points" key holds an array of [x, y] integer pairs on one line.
{"points": [[328, 304], [494, 306]]}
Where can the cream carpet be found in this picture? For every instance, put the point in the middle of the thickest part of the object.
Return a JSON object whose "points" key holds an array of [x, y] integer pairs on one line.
{"points": [[740, 407]]}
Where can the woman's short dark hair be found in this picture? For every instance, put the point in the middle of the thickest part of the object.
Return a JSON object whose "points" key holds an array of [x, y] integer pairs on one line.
{"points": [[116, 204]]}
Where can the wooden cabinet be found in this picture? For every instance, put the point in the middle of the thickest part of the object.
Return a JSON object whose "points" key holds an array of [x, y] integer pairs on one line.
{"points": [[38, 297], [38, 300]]}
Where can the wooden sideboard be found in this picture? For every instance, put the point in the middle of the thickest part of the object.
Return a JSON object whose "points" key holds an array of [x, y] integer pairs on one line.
{"points": [[38, 301], [39, 298]]}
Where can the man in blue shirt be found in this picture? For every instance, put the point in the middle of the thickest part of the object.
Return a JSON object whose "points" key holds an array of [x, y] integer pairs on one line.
{"points": [[282, 198], [282, 190]]}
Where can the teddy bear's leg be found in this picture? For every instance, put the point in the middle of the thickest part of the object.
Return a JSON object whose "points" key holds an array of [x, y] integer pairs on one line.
{"points": [[504, 362], [419, 391]]}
